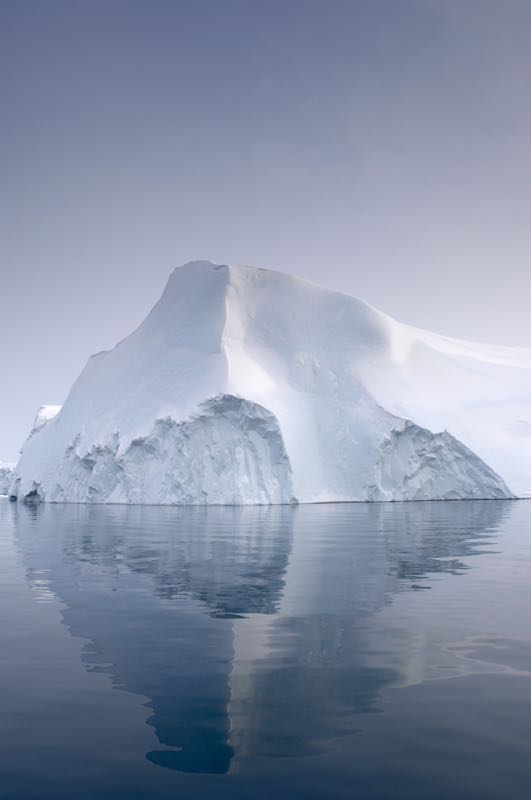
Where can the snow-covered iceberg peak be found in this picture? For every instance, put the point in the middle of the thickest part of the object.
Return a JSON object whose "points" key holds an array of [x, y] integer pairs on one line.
{"points": [[245, 385]]}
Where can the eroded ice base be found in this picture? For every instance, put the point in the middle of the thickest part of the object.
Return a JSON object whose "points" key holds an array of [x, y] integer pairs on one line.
{"points": [[231, 452]]}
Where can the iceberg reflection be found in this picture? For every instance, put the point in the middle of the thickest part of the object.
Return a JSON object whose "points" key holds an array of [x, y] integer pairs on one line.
{"points": [[248, 628]]}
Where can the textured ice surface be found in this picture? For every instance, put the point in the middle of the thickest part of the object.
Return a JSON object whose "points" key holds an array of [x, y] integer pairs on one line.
{"points": [[229, 452], [415, 463], [245, 385]]}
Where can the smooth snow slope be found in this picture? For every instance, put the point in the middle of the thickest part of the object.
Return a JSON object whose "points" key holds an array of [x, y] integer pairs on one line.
{"points": [[250, 386]]}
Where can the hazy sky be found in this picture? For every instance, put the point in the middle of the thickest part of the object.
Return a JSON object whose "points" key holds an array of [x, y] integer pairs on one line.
{"points": [[380, 147]]}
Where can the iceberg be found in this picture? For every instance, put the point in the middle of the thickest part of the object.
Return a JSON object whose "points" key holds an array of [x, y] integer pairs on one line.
{"points": [[7, 472], [248, 386]]}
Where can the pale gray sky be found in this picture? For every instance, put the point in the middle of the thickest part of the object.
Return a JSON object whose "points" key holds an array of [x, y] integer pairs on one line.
{"points": [[379, 147]]}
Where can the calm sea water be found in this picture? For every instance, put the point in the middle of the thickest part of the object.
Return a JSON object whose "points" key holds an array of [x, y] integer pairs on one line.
{"points": [[337, 651]]}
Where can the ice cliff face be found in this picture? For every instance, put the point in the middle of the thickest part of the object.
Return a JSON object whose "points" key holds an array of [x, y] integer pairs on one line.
{"points": [[229, 452], [414, 464], [250, 386]]}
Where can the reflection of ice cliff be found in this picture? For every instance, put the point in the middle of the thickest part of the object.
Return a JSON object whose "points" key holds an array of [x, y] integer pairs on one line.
{"points": [[247, 628]]}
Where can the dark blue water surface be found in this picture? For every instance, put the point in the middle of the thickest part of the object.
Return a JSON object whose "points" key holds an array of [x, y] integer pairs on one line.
{"points": [[332, 651]]}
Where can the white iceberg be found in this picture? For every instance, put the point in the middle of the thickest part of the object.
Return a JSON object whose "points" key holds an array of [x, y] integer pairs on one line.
{"points": [[7, 472], [248, 386]]}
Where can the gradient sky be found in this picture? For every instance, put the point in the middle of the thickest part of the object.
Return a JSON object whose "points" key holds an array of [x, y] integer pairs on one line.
{"points": [[379, 147]]}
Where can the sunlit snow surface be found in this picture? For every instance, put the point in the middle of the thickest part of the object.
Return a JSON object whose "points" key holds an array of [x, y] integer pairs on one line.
{"points": [[248, 386]]}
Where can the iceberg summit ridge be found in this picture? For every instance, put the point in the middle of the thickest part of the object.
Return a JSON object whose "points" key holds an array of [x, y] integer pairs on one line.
{"points": [[250, 386]]}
